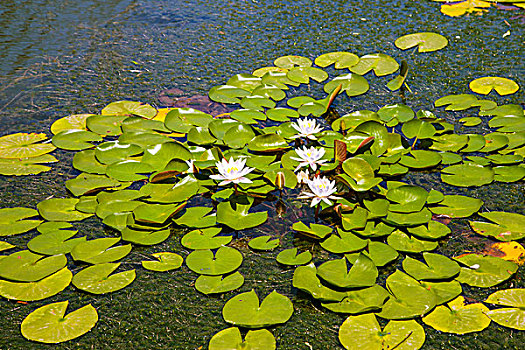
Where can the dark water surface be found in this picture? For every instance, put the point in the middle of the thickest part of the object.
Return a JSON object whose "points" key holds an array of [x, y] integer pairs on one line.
{"points": [[62, 57]]}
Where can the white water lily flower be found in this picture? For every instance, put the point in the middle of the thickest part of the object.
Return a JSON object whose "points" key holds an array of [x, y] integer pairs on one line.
{"points": [[309, 157], [232, 171], [303, 176], [191, 167], [306, 128], [322, 190]]}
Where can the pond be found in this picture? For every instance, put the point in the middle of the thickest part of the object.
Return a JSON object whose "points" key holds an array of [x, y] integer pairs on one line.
{"points": [[72, 57]]}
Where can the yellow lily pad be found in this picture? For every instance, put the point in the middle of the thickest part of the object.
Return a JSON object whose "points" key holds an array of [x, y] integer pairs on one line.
{"points": [[503, 86]]}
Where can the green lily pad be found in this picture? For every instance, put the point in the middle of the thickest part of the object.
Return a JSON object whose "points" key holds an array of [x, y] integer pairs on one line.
{"points": [[183, 119], [139, 124], [507, 227], [470, 121], [166, 261], [302, 75], [227, 94], [402, 242], [204, 262], [244, 310], [113, 151], [61, 209], [449, 142], [129, 108], [484, 271], [42, 289], [361, 175], [409, 299], [509, 173], [439, 267], [85, 184], [458, 318], [75, 140], [230, 339], [25, 266], [362, 274], [503, 86], [419, 159], [381, 64], [340, 60], [433, 230], [407, 199], [291, 61], [269, 91], [343, 242], [219, 284], [400, 113], [96, 279], [128, 170], [5, 246], [71, 122], [443, 291], [360, 301], [26, 166], [54, 242], [408, 219], [105, 125], [12, 220], [196, 217], [363, 332], [49, 324], [417, 128], [290, 257], [145, 237], [280, 114], [86, 161], [426, 42], [156, 213], [398, 81], [315, 230], [455, 206], [380, 253], [238, 136], [22, 145], [100, 250], [239, 218], [205, 239], [375, 229], [305, 278], [353, 84], [268, 143], [263, 243], [508, 317], [245, 81]]}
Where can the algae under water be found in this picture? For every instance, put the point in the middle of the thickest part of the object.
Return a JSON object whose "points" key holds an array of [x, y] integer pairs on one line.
{"points": [[134, 50]]}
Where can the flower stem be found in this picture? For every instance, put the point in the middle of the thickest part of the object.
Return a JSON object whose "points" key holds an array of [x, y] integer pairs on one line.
{"points": [[317, 211]]}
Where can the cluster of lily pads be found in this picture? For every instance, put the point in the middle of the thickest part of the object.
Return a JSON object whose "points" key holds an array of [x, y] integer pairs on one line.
{"points": [[141, 166]]}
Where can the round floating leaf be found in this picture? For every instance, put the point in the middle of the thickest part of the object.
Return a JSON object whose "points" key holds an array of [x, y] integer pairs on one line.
{"points": [[400, 113], [97, 280], [360, 301], [409, 219], [404, 243], [75, 140], [443, 291], [433, 230], [105, 125], [244, 310], [458, 318], [508, 317], [268, 143], [426, 42], [54, 242], [31, 291], [455, 206], [60, 209], [128, 170], [353, 84], [138, 124], [361, 174], [230, 339], [86, 161], [224, 261], [72, 122], [484, 271], [88, 183], [381, 64], [5, 246], [314, 231], [470, 121], [26, 166], [196, 217], [22, 145], [409, 299], [244, 81], [183, 119], [417, 128], [303, 74], [305, 278], [439, 267], [467, 174], [227, 94], [12, 220], [99, 251], [219, 284], [205, 239], [280, 114], [364, 333], [362, 274], [341, 59], [420, 159], [508, 227], [508, 297], [290, 257], [292, 61], [113, 151], [407, 198], [503, 86], [238, 136], [156, 213], [129, 108], [344, 242], [25, 266], [269, 91], [239, 219], [145, 237], [166, 261], [49, 324], [263, 243]]}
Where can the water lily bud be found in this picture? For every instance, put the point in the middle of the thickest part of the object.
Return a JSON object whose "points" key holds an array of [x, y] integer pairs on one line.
{"points": [[279, 180], [342, 125]]}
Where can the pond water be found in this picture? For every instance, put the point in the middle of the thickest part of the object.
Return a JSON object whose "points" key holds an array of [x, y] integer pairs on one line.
{"points": [[63, 57]]}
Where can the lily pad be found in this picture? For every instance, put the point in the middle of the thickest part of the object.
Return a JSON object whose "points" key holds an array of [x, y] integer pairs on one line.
{"points": [[75, 140], [315, 230], [353, 84], [343, 242], [426, 42], [49, 324], [291, 61], [458, 318], [362, 274], [340, 60], [239, 218], [129, 170], [61, 209], [230, 339], [219, 284], [503, 86], [204, 262], [456, 206], [263, 243], [513, 317], [508, 227], [381, 64], [196, 217], [166, 261], [25, 266], [407, 198], [96, 279], [439, 267], [360, 301], [54, 242], [100, 250], [156, 213], [205, 239], [290, 257], [129, 108], [12, 220], [142, 237], [305, 278], [71, 122], [244, 310], [21, 145], [85, 184], [484, 271], [363, 332], [227, 94], [31, 291]]}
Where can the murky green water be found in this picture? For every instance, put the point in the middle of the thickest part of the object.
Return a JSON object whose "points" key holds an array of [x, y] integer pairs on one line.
{"points": [[62, 57]]}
